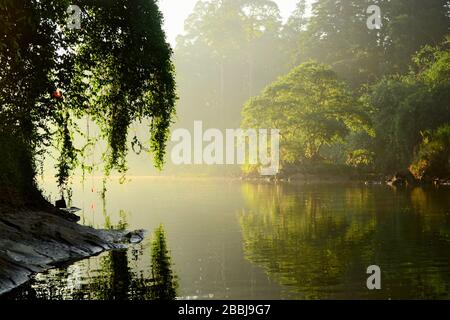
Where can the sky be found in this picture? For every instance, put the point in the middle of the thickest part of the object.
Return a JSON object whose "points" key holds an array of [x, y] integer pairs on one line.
{"points": [[176, 11]]}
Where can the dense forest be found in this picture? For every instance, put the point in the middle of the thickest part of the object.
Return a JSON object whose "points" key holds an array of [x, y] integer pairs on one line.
{"points": [[347, 98]]}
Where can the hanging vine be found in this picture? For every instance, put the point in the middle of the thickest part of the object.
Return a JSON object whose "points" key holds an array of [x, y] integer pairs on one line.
{"points": [[114, 71]]}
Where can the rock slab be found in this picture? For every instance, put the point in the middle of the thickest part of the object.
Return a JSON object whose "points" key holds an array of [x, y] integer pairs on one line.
{"points": [[35, 241]]}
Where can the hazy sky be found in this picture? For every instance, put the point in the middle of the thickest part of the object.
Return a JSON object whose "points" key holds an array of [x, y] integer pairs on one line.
{"points": [[176, 11]]}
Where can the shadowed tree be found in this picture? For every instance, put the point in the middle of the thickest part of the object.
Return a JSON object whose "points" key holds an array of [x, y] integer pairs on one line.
{"points": [[115, 70]]}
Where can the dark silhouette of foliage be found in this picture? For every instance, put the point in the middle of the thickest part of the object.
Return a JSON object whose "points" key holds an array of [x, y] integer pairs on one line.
{"points": [[164, 283], [115, 70]]}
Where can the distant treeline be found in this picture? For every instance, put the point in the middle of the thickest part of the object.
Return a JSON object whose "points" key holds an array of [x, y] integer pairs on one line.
{"points": [[344, 96]]}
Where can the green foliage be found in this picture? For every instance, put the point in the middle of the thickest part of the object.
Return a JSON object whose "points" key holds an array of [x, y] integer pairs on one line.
{"points": [[360, 159], [404, 106], [116, 70], [126, 75], [311, 107], [433, 159], [316, 113], [27, 56], [17, 187], [409, 25], [231, 50], [336, 34]]}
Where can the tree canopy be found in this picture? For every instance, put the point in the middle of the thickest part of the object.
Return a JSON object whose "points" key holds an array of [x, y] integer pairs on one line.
{"points": [[115, 70], [372, 94], [311, 107], [336, 34], [404, 107], [230, 51]]}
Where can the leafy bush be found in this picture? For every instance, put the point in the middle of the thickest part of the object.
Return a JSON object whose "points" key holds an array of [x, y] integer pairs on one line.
{"points": [[433, 158], [360, 159], [402, 107]]}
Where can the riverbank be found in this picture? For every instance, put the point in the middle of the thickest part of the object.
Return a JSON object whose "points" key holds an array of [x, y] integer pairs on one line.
{"points": [[398, 179], [35, 241]]}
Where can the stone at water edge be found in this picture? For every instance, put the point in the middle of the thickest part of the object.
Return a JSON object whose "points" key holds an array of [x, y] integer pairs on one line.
{"points": [[32, 242], [135, 236]]}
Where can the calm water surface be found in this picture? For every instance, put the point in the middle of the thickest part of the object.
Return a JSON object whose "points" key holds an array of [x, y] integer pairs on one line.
{"points": [[240, 240]]}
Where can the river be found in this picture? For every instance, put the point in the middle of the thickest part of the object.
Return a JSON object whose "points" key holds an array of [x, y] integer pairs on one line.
{"points": [[230, 239]]}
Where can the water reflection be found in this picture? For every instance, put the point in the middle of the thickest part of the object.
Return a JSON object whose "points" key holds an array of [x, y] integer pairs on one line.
{"points": [[113, 276], [163, 284], [318, 241], [236, 240]]}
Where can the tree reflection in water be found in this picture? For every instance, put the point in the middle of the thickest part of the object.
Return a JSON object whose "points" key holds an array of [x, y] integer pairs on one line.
{"points": [[109, 276], [317, 241]]}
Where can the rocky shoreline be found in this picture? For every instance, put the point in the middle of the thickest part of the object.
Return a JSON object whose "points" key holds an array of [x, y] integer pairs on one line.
{"points": [[35, 241]]}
